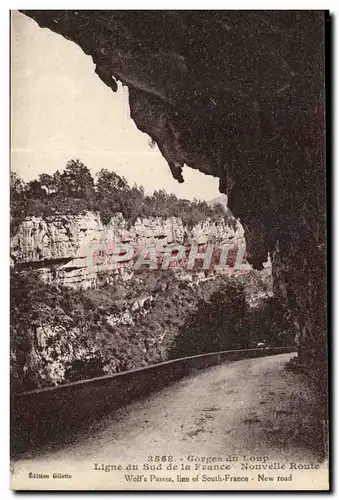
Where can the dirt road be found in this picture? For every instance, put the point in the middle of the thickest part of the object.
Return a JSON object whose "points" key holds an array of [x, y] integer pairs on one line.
{"points": [[252, 406]]}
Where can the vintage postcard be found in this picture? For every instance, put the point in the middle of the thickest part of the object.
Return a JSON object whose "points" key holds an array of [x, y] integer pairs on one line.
{"points": [[168, 260]]}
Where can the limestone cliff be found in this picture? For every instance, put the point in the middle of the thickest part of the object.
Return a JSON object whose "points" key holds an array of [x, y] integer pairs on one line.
{"points": [[65, 248]]}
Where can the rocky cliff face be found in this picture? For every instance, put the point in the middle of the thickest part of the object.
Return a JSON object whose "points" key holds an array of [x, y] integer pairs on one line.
{"points": [[87, 319], [69, 250]]}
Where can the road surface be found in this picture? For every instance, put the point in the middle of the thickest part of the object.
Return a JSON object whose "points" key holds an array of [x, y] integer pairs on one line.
{"points": [[253, 407]]}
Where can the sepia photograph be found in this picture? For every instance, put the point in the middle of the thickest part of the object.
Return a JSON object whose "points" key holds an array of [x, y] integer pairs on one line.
{"points": [[168, 309]]}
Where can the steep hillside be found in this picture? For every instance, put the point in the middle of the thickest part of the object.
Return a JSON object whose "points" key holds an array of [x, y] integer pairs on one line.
{"points": [[59, 334], [105, 278]]}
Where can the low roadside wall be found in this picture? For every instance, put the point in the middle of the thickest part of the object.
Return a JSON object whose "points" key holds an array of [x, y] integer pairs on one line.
{"points": [[53, 414]]}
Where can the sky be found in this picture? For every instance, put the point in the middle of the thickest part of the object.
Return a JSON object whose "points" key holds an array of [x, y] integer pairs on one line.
{"points": [[61, 110]]}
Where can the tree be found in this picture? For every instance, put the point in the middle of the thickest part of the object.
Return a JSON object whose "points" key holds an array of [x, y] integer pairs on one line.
{"points": [[17, 200], [111, 191], [47, 183], [109, 182], [76, 180], [35, 190], [57, 182], [17, 187]]}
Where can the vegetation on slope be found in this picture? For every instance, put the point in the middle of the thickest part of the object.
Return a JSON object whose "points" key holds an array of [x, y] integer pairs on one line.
{"points": [[225, 321], [60, 335]]}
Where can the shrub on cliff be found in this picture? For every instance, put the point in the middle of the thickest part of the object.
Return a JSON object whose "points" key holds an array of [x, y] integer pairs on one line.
{"points": [[217, 324], [225, 322]]}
